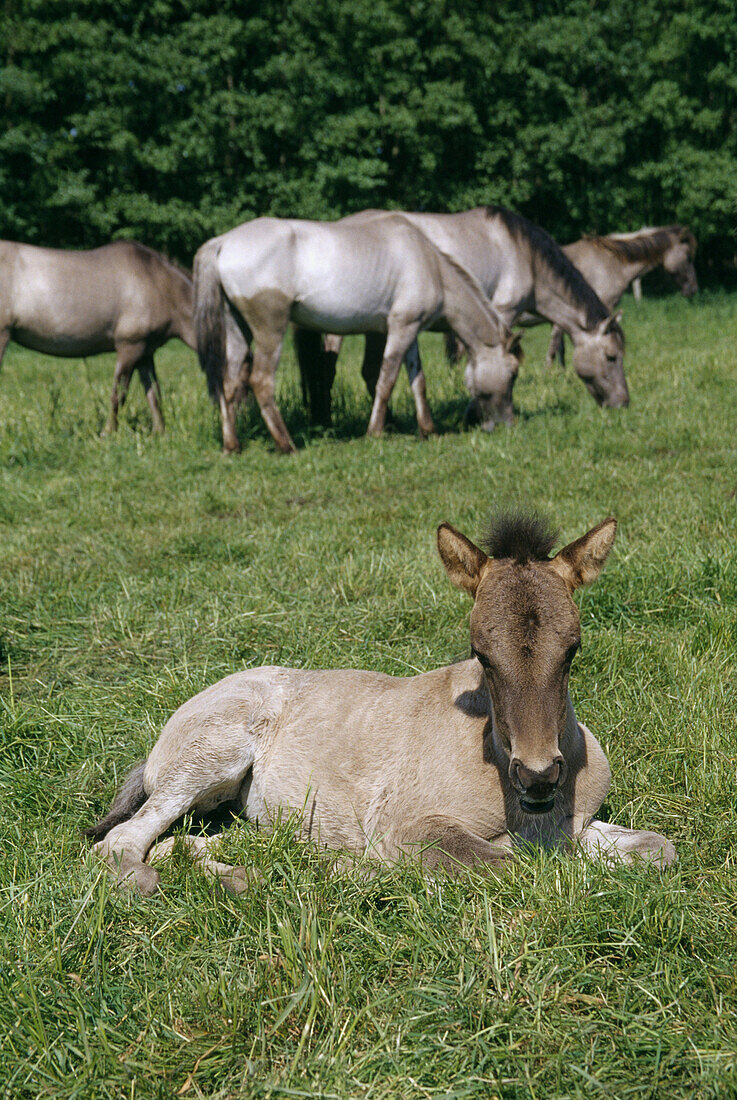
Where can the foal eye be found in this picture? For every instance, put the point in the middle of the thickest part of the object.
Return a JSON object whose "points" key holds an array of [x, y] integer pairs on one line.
{"points": [[611, 359]]}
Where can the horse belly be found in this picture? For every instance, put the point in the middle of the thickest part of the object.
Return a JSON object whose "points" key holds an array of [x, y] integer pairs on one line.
{"points": [[338, 290], [339, 317], [66, 345], [62, 314]]}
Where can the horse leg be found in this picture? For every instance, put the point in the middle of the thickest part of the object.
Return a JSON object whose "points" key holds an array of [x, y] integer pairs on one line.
{"points": [[147, 371], [373, 354], [265, 362], [128, 357], [234, 386], [613, 842], [267, 315], [236, 880], [416, 376], [317, 373], [556, 347], [4, 341], [454, 348], [399, 338]]}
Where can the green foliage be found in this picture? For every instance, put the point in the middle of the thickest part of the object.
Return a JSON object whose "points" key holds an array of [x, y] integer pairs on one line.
{"points": [[172, 122], [136, 570]]}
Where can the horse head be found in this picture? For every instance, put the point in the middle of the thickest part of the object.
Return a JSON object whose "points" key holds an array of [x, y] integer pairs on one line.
{"points": [[678, 261], [490, 376], [525, 631], [598, 358]]}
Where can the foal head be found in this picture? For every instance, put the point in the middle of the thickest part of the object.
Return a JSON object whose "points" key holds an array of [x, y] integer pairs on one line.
{"points": [[525, 631]]}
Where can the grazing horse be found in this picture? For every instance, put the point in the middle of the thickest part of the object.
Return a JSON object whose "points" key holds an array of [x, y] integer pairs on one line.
{"points": [[609, 264], [523, 271], [122, 297], [378, 277], [455, 767]]}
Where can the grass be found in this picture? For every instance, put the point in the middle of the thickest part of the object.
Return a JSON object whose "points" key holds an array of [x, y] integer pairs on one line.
{"points": [[136, 570]]}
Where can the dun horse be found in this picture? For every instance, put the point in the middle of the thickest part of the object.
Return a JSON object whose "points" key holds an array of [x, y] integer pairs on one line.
{"points": [[523, 271], [378, 277], [455, 767], [122, 297], [609, 264]]}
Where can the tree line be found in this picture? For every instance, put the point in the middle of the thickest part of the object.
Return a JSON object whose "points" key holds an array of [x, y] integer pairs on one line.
{"points": [[174, 120]]}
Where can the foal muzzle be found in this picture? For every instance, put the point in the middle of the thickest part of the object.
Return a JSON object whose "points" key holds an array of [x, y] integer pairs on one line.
{"points": [[537, 789]]}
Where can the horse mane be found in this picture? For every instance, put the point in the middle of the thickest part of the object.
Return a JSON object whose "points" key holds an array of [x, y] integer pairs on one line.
{"points": [[522, 536], [548, 253], [648, 244]]}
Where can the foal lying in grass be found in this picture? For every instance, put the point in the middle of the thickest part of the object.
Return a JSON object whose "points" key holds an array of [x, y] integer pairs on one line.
{"points": [[455, 766]]}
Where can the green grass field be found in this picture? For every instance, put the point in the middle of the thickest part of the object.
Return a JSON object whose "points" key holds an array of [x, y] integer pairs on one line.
{"points": [[136, 570]]}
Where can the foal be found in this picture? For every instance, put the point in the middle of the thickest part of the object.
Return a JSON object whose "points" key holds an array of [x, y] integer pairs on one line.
{"points": [[455, 767]]}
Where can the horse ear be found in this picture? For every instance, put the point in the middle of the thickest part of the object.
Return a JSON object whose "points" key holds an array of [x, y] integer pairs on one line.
{"points": [[608, 323], [513, 344], [462, 560], [581, 561]]}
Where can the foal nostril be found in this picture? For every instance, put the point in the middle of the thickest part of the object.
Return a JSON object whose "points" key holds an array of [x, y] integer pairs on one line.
{"points": [[534, 781]]}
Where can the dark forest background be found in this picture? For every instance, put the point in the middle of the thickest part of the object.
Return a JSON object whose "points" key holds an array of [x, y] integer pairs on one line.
{"points": [[170, 122]]}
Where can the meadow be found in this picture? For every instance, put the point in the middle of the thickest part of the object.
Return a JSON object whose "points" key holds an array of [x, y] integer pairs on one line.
{"points": [[136, 570]]}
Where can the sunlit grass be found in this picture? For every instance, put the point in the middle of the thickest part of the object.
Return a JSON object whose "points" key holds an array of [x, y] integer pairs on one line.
{"points": [[136, 570]]}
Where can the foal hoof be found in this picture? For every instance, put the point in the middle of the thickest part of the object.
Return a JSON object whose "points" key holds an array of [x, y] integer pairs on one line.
{"points": [[238, 880], [146, 880]]}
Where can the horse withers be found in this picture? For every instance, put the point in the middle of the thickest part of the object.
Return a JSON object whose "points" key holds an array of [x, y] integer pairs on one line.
{"points": [[121, 297], [455, 767], [382, 277]]}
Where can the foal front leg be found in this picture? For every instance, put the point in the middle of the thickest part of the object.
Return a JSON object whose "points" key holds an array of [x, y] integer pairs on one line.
{"points": [[603, 840], [441, 842]]}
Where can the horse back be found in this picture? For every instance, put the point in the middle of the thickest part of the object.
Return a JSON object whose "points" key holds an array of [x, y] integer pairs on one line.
{"points": [[67, 302], [333, 274]]}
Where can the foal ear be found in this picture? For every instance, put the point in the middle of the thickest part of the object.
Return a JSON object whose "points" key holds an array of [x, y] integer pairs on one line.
{"points": [[581, 561], [462, 560]]}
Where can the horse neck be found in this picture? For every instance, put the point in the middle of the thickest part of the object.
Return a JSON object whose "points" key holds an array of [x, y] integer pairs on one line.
{"points": [[557, 304], [629, 269], [468, 311]]}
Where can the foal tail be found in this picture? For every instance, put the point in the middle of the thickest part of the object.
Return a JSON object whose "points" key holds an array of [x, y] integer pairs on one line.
{"points": [[127, 801], [209, 305]]}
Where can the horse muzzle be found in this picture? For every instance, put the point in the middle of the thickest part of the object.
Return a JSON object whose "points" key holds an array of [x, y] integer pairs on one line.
{"points": [[486, 413]]}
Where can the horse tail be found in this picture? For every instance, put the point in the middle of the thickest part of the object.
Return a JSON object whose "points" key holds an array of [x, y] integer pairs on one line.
{"points": [[127, 801], [209, 306]]}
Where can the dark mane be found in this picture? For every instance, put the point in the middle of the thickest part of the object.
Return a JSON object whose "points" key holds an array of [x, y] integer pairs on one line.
{"points": [[546, 252], [649, 245], [522, 536]]}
